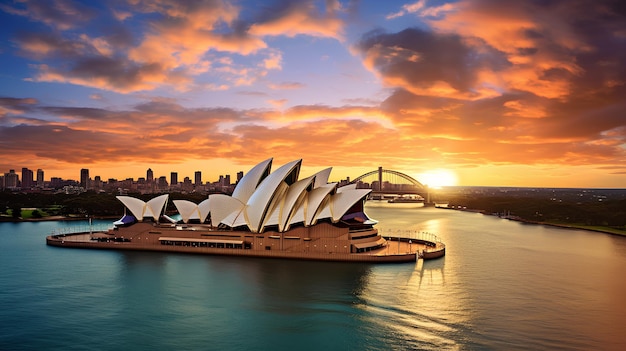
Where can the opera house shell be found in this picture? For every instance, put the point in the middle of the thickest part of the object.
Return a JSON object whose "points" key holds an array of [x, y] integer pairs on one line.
{"points": [[269, 214]]}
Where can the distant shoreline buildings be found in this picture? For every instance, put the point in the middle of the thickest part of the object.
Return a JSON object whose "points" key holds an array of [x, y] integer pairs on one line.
{"points": [[11, 181]]}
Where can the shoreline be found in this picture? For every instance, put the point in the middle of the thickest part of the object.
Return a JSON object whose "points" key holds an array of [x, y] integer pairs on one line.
{"points": [[528, 221], [569, 226], [521, 220]]}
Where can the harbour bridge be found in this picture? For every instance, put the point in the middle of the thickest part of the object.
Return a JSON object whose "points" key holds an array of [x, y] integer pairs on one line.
{"points": [[388, 182]]}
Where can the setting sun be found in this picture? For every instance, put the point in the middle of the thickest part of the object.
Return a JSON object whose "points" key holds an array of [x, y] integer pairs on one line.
{"points": [[437, 178]]}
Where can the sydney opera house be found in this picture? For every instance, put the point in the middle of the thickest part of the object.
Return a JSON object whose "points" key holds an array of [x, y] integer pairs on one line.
{"points": [[270, 214]]}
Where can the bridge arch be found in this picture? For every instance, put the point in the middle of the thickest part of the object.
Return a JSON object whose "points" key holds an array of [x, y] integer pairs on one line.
{"points": [[383, 176]]}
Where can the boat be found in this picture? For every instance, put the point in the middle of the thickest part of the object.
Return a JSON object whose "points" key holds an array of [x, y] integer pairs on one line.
{"points": [[270, 214], [406, 199]]}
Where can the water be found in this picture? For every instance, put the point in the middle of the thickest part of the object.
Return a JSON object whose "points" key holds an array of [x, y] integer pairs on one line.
{"points": [[503, 285]]}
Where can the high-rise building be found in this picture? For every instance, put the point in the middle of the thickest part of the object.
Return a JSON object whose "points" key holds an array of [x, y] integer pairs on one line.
{"points": [[84, 178], [239, 176], [56, 182], [40, 180], [187, 186], [162, 182], [198, 178], [11, 179], [174, 178], [97, 183], [27, 178], [227, 180], [149, 175]]}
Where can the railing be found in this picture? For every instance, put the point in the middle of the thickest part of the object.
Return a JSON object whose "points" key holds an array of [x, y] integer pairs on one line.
{"points": [[409, 234], [103, 227]]}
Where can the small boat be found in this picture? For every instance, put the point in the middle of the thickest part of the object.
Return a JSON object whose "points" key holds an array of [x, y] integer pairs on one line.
{"points": [[406, 199]]}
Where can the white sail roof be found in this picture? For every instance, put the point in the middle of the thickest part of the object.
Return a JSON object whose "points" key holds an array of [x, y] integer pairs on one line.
{"points": [[294, 197], [258, 204], [263, 199], [321, 177], [204, 208], [251, 180], [222, 206], [189, 210], [317, 200], [141, 209], [343, 201]]}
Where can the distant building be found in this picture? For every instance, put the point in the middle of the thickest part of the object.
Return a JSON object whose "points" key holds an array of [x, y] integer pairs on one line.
{"points": [[173, 178], [149, 175], [55, 182], [40, 179], [239, 176], [27, 178], [11, 180], [198, 178], [187, 186], [97, 183], [84, 178], [162, 183]]}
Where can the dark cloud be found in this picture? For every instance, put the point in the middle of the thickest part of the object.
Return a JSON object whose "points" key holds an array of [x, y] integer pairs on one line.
{"points": [[60, 14], [118, 36], [422, 58], [558, 81], [49, 45], [17, 103]]}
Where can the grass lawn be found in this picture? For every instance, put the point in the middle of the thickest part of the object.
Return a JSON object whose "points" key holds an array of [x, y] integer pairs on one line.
{"points": [[28, 214]]}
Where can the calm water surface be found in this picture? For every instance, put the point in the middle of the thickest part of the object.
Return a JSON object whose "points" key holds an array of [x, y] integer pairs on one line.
{"points": [[503, 285]]}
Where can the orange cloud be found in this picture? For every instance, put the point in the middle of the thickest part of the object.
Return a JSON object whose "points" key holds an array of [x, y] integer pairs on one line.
{"points": [[449, 134], [301, 17], [286, 86]]}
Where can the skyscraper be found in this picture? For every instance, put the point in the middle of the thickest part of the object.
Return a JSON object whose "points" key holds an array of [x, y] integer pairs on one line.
{"points": [[97, 183], [84, 178], [198, 178], [173, 178], [40, 180], [149, 175], [27, 178], [11, 179]]}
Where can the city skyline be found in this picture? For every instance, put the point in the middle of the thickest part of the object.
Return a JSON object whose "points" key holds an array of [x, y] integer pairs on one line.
{"points": [[84, 175], [468, 92]]}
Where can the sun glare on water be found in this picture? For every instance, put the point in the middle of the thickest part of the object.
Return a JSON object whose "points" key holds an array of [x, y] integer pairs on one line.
{"points": [[437, 178]]}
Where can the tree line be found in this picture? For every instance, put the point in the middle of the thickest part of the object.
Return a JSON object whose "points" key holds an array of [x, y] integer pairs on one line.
{"points": [[88, 204], [610, 213]]}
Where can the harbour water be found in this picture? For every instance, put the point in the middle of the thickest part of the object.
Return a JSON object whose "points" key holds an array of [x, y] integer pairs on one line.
{"points": [[502, 285]]}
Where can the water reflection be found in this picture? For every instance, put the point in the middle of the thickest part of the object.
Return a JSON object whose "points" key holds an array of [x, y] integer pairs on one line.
{"points": [[502, 285], [411, 296]]}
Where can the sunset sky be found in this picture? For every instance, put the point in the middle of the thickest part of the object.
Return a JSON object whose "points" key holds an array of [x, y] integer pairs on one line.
{"points": [[469, 92]]}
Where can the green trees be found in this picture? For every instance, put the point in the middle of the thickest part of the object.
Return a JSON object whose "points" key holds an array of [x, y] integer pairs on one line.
{"points": [[609, 213], [16, 211]]}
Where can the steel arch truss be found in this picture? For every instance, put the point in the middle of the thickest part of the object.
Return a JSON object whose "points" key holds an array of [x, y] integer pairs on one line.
{"points": [[391, 172]]}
